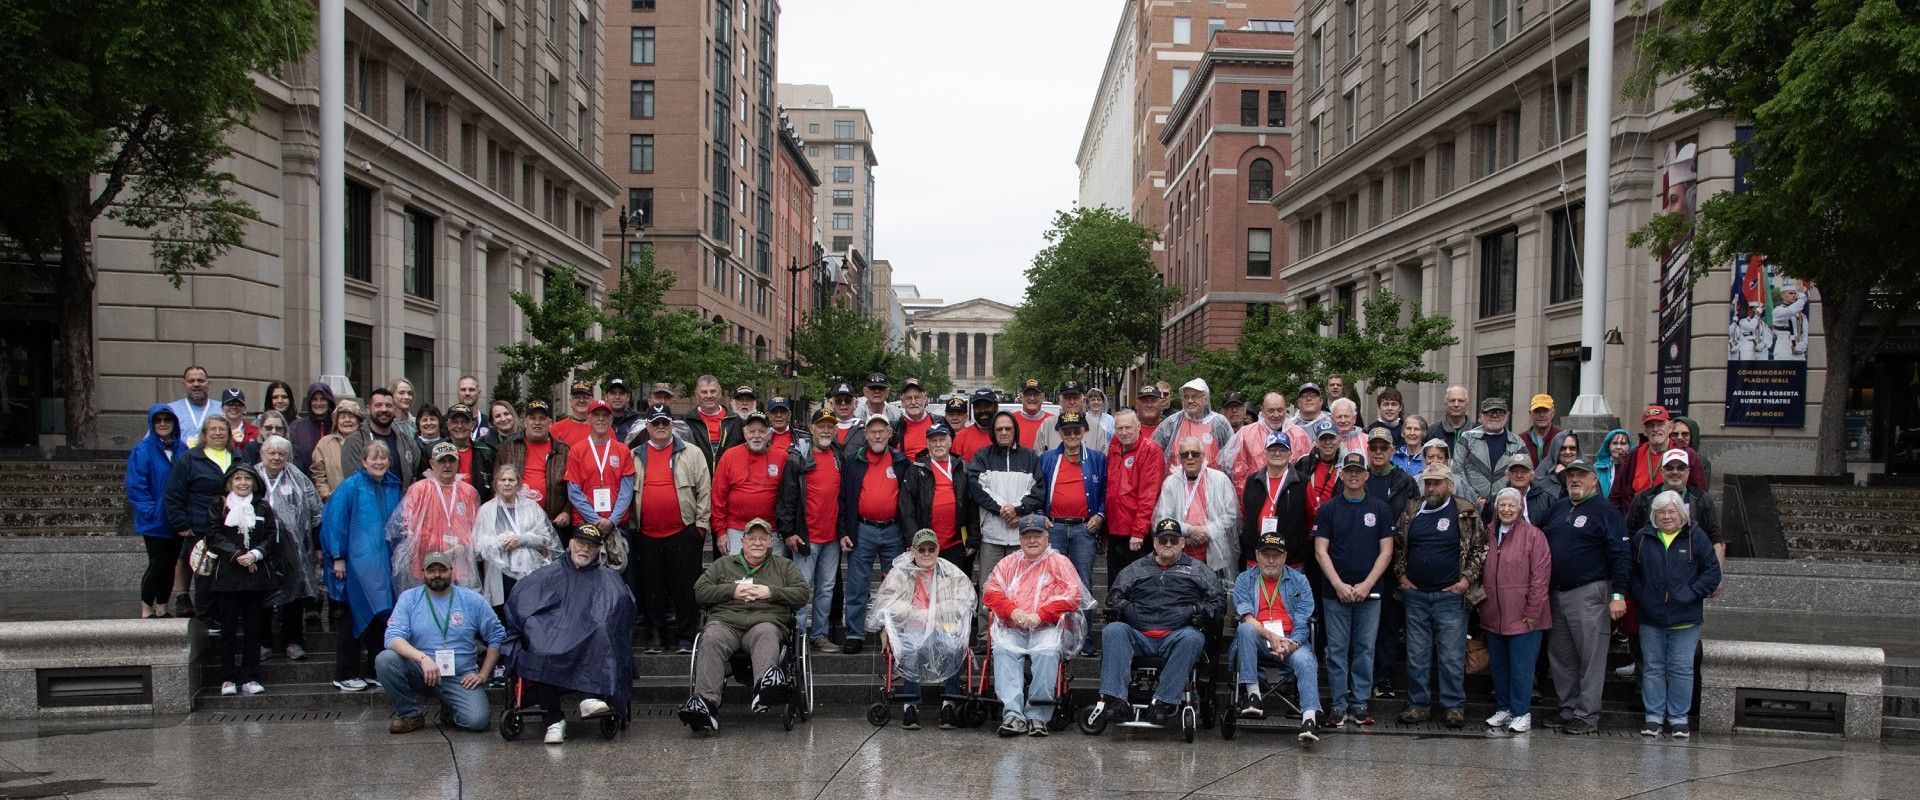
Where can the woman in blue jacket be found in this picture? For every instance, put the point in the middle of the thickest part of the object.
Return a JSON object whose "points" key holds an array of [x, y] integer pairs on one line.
{"points": [[147, 468], [353, 536], [1674, 570]]}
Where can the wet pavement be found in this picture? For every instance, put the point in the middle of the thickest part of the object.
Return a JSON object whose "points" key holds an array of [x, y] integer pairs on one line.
{"points": [[231, 757]]}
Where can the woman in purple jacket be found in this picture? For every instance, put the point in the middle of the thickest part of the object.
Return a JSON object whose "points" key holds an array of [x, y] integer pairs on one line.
{"points": [[1514, 614]]}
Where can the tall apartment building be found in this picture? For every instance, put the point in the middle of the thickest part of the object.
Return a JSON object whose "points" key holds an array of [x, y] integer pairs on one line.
{"points": [[793, 237], [1105, 157], [1442, 158], [1227, 143], [840, 144], [470, 174], [695, 148]]}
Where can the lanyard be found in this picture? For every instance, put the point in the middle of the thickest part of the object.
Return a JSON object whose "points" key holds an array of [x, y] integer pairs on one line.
{"points": [[600, 458], [446, 502], [750, 569], [941, 466], [273, 484], [1273, 496], [440, 622], [1194, 485], [1267, 599], [197, 422]]}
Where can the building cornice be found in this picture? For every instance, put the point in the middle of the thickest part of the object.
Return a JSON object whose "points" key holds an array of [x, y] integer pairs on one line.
{"points": [[1200, 83]]}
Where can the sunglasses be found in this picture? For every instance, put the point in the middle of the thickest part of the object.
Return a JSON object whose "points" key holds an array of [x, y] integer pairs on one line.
{"points": [[926, 549], [1190, 454], [1169, 537], [1675, 468]]}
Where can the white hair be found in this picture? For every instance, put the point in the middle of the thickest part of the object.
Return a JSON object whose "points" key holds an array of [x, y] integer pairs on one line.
{"points": [[1344, 404], [1510, 493], [1670, 499], [279, 444]]}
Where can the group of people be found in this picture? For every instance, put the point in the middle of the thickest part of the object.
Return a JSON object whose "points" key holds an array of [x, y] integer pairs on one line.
{"points": [[1406, 538]]}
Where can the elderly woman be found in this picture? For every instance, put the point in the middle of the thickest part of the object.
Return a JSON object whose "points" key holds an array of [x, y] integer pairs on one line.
{"points": [[296, 509], [512, 536], [1673, 572], [315, 421], [926, 607], [353, 537], [1410, 455], [242, 542], [328, 471], [148, 466], [1514, 615], [272, 423], [1553, 478]]}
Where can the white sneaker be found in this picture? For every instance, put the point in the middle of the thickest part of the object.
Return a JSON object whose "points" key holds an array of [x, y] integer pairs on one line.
{"points": [[593, 707], [252, 687], [1521, 724], [351, 685], [228, 689], [1499, 719], [557, 733], [1625, 672]]}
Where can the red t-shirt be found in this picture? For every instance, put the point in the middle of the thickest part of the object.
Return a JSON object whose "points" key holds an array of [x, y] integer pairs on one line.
{"points": [[745, 485], [716, 423], [1069, 489], [465, 475], [570, 430], [782, 443], [659, 499], [591, 467], [968, 440], [1196, 512], [533, 481], [1269, 606], [1030, 428], [913, 436], [946, 513], [880, 490], [823, 499]]}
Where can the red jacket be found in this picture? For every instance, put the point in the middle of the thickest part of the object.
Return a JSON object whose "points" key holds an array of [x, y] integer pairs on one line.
{"points": [[1133, 484]]}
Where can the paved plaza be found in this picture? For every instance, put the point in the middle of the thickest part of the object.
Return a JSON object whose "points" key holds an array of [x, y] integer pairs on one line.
{"points": [[204, 758]]}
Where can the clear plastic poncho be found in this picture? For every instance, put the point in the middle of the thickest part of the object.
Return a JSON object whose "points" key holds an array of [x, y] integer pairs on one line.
{"points": [[1033, 584], [431, 518], [297, 510], [527, 523], [928, 617]]}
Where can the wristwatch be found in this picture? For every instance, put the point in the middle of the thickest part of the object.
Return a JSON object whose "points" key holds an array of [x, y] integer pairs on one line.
{"points": [[1619, 596]]}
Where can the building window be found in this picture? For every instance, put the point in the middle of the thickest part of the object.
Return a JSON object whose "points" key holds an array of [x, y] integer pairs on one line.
{"points": [[843, 197], [843, 174], [843, 221], [497, 50], [360, 356], [642, 46], [1276, 109], [842, 244], [553, 19], [1349, 117], [425, 9], [359, 226], [581, 126], [1565, 115], [641, 199], [1502, 20], [1260, 180], [813, 127], [553, 102], [1499, 272], [418, 254], [1313, 141], [1250, 107], [1510, 137], [843, 129], [1563, 373], [410, 114], [640, 152], [1345, 316], [1443, 168], [1215, 25], [1316, 54], [643, 5], [1268, 25], [1487, 142], [1495, 376], [1182, 30], [1259, 252], [640, 100], [1180, 77], [1569, 228], [1350, 21], [843, 152], [417, 363], [1415, 61], [581, 38]]}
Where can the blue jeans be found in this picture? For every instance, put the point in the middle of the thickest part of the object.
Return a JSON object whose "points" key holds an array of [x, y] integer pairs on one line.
{"points": [[1035, 703], [1248, 649], [869, 543], [1351, 628], [1076, 543], [402, 679], [1510, 661], [822, 570], [1666, 672], [1436, 621], [1121, 643]]}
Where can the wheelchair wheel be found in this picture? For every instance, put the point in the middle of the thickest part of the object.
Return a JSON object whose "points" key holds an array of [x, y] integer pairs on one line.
{"points": [[1093, 721], [973, 714], [510, 725], [786, 719], [1228, 724], [1189, 722], [609, 726], [878, 714]]}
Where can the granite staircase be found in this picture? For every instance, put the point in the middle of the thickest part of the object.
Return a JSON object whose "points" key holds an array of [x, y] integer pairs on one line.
{"points": [[1845, 523]]}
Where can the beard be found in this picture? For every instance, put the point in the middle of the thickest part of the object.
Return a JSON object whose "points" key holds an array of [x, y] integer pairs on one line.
{"points": [[439, 584]]}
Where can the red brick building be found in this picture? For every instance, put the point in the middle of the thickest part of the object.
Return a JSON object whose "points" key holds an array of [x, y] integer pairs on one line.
{"points": [[794, 182], [1226, 143]]}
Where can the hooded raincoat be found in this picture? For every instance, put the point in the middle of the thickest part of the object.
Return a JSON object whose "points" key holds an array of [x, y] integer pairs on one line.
{"points": [[305, 431], [1048, 586], [1002, 477], [1213, 429], [572, 627], [1603, 466], [434, 518], [354, 529], [148, 466], [928, 617], [526, 521], [296, 507], [1222, 509]]}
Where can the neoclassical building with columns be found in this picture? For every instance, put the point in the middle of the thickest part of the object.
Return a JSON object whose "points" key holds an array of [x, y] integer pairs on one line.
{"points": [[967, 332]]}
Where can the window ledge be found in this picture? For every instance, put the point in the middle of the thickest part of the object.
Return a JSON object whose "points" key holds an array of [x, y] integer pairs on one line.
{"points": [[421, 304], [1495, 321]]}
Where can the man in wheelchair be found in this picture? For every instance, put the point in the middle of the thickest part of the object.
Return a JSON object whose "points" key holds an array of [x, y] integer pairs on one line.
{"points": [[569, 629], [1159, 607], [750, 599], [1274, 602]]}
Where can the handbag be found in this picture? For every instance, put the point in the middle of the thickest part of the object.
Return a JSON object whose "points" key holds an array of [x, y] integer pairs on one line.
{"points": [[202, 560], [1477, 658]]}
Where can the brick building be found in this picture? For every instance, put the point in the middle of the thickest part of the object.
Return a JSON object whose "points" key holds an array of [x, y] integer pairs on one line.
{"points": [[793, 238]]}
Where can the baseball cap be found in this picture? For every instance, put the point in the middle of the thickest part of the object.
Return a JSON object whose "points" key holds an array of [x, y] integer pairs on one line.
{"points": [[939, 428], [1234, 399], [1436, 472], [581, 387], [1166, 527], [1516, 460], [842, 390], [599, 405], [956, 404], [1579, 465], [1309, 386], [1540, 401], [1281, 440], [590, 533], [444, 450], [1034, 522], [662, 388], [233, 396], [1493, 404], [657, 412], [541, 406], [880, 418], [876, 380], [1352, 459], [1379, 435], [1271, 541], [743, 391], [439, 558], [1326, 432], [779, 404], [1654, 413], [1676, 454], [1437, 442], [459, 410], [985, 395], [912, 383], [925, 536], [1148, 390], [756, 524], [824, 415], [618, 383], [1072, 388], [1071, 419], [1030, 385], [753, 417]]}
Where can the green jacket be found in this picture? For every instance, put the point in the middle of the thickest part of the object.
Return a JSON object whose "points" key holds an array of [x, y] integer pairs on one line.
{"points": [[714, 592]]}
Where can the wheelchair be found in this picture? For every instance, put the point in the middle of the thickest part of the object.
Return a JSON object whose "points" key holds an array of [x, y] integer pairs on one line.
{"points": [[1197, 696], [1283, 688], [982, 703], [513, 720], [797, 706], [881, 712]]}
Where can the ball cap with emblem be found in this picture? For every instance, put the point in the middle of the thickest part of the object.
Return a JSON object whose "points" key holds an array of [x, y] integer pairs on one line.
{"points": [[755, 417], [598, 406], [825, 415], [925, 536], [581, 387], [985, 395], [540, 406], [1676, 455], [662, 388], [743, 391], [618, 383], [1167, 527], [957, 404], [1379, 435], [590, 534], [756, 524], [1071, 419], [233, 396], [1148, 390], [1520, 460], [842, 389], [655, 413], [1071, 389], [1279, 439], [1328, 431], [1034, 522], [912, 383], [939, 427], [1579, 465], [1030, 385], [1235, 399], [1271, 541], [879, 419], [1436, 472], [1353, 459], [440, 558], [459, 410], [877, 380], [445, 450], [1540, 401], [1654, 414], [779, 404], [1494, 404], [1308, 388]]}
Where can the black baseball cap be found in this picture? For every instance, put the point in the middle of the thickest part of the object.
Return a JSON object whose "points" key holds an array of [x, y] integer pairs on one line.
{"points": [[1072, 388], [1167, 527], [1071, 419], [657, 413], [957, 404], [541, 406], [1148, 390], [939, 428], [459, 410], [233, 396], [1309, 386], [912, 383], [618, 383], [842, 390], [753, 417], [1235, 399], [876, 380], [985, 395], [1271, 541], [743, 391], [1030, 385], [581, 387]]}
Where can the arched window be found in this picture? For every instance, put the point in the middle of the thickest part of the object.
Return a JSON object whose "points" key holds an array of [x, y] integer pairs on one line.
{"points": [[1260, 180], [759, 348]]}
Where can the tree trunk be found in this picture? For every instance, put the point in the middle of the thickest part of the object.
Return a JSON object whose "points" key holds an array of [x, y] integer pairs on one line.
{"points": [[1842, 310], [76, 287]]}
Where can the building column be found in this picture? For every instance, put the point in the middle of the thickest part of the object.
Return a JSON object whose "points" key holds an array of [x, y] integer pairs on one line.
{"points": [[1431, 395], [1456, 260], [478, 345], [390, 275], [453, 327]]}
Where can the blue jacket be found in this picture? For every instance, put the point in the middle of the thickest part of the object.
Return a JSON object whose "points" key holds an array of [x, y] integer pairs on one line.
{"points": [[148, 466], [1670, 584], [1295, 593], [354, 528], [193, 486], [1093, 471]]}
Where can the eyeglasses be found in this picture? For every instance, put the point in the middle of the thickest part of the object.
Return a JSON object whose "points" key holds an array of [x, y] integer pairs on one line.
{"points": [[1681, 435], [926, 550], [1190, 454], [1675, 468], [272, 428], [1569, 449]]}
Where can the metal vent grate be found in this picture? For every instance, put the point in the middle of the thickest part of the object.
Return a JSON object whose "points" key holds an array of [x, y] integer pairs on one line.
{"points": [[94, 686], [1781, 710], [232, 717]]}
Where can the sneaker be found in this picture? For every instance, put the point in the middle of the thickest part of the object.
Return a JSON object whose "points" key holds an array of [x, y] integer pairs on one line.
{"points": [[822, 644], [1250, 709], [1625, 672], [773, 688], [182, 605], [1090, 649], [1337, 720], [296, 653], [407, 724], [684, 647], [1456, 718], [698, 715], [949, 717], [1578, 727], [1414, 716], [1310, 726], [252, 687], [1159, 714], [594, 707], [1499, 719], [1554, 723], [910, 718], [351, 685], [557, 733], [1679, 730], [372, 683], [1011, 726], [1360, 717], [1521, 724], [651, 645], [1037, 729], [852, 647], [1383, 689], [1651, 729], [229, 689], [266, 653]]}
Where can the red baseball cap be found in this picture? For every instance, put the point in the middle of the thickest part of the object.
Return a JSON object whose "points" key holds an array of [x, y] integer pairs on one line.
{"points": [[599, 405], [1654, 413]]}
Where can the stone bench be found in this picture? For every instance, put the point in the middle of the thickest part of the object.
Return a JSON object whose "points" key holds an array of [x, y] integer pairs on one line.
{"points": [[1730, 666], [96, 667]]}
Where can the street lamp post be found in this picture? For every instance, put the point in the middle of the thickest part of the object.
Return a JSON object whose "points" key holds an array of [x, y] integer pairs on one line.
{"points": [[629, 218], [794, 268]]}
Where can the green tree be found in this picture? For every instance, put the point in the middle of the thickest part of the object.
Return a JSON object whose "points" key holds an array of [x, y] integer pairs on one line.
{"points": [[123, 110], [1093, 303], [1833, 89], [841, 344], [641, 339], [1282, 348], [558, 330]]}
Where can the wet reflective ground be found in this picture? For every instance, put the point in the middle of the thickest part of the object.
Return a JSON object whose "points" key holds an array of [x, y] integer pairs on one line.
{"points": [[237, 757]]}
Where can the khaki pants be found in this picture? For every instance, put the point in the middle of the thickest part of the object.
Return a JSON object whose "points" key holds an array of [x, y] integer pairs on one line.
{"points": [[718, 643]]}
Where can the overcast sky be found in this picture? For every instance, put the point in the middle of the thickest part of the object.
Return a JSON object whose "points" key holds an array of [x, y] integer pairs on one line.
{"points": [[977, 111]]}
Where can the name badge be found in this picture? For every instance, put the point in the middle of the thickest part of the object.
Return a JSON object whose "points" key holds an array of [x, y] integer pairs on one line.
{"points": [[773, 470], [890, 473], [193, 441], [603, 500], [1276, 626], [744, 582], [1580, 521], [443, 659], [1269, 525]]}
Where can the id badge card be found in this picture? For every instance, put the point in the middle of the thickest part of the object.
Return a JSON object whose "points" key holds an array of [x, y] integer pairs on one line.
{"points": [[603, 500], [1269, 525], [744, 582], [1275, 626], [443, 658]]}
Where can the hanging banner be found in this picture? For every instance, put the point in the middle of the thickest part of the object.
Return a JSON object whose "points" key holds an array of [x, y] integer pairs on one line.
{"points": [[1767, 334], [1677, 195]]}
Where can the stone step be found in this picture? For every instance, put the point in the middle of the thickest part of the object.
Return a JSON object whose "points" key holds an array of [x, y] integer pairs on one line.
{"points": [[103, 491], [1894, 546], [1898, 728], [1784, 491], [95, 520], [1901, 673], [12, 467], [66, 501], [60, 533], [1900, 701]]}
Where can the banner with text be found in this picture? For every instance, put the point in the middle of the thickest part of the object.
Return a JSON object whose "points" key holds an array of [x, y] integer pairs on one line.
{"points": [[1767, 334], [1675, 359]]}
